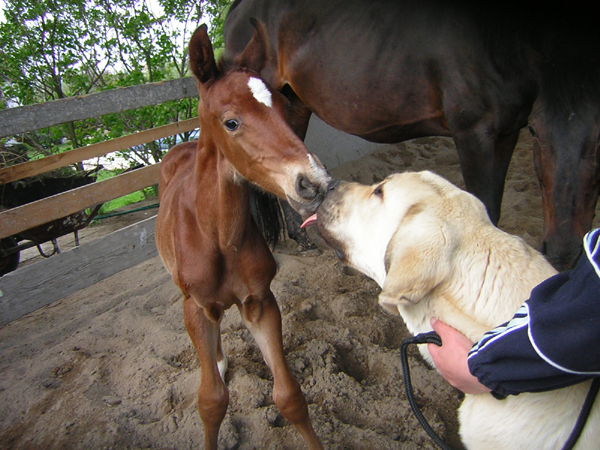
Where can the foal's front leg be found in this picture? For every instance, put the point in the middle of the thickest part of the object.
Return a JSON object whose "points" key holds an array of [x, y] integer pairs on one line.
{"points": [[213, 397], [263, 319]]}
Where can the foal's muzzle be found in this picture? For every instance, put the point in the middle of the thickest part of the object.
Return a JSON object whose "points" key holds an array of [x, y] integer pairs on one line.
{"points": [[312, 192], [306, 189]]}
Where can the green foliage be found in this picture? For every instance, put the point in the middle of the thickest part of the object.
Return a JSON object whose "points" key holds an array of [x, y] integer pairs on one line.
{"points": [[111, 205], [134, 197], [52, 49], [46, 54]]}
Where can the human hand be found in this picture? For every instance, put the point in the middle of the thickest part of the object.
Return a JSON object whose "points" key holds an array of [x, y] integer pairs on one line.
{"points": [[451, 359]]}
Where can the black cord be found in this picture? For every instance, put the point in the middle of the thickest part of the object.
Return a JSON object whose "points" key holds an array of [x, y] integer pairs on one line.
{"points": [[583, 415], [424, 338], [433, 338]]}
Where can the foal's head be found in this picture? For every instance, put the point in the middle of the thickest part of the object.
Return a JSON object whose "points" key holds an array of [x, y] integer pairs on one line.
{"points": [[246, 119]]}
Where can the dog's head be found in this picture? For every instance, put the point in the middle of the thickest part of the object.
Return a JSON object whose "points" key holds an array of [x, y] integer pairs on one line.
{"points": [[401, 232]]}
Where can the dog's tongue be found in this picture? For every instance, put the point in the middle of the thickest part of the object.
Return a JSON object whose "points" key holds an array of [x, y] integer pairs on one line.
{"points": [[312, 219]]}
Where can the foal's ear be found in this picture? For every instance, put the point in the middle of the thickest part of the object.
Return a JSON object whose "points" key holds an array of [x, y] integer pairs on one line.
{"points": [[256, 53], [202, 58]]}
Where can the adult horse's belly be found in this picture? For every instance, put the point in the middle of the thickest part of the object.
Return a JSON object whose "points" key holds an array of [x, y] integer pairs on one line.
{"points": [[372, 88], [375, 109]]}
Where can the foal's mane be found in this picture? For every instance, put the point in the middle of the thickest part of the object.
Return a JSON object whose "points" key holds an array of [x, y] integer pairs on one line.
{"points": [[227, 64]]}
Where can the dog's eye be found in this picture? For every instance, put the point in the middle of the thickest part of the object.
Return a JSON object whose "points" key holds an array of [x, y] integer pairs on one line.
{"points": [[378, 191], [231, 124]]}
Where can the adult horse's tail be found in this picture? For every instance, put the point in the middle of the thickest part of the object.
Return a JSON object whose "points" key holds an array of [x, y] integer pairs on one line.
{"points": [[267, 215]]}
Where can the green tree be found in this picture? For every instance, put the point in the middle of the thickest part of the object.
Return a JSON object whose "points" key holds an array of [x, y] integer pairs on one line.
{"points": [[52, 49]]}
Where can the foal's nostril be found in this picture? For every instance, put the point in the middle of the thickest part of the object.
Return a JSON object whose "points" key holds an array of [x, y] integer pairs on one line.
{"points": [[305, 188]]}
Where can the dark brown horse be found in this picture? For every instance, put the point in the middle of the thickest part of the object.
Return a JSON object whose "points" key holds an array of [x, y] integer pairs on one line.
{"points": [[391, 70], [205, 233]]}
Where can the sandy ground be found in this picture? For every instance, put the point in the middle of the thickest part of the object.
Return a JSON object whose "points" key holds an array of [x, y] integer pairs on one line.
{"points": [[112, 366]]}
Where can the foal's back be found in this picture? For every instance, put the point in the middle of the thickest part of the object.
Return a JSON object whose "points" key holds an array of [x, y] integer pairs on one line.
{"points": [[176, 164]]}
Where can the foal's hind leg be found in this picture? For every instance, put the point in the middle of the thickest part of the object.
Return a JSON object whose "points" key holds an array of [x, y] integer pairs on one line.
{"points": [[263, 319], [213, 396]]}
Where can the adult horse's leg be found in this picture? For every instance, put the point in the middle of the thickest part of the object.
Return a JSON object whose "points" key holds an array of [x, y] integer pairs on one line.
{"points": [[484, 163], [263, 319], [567, 163], [213, 397]]}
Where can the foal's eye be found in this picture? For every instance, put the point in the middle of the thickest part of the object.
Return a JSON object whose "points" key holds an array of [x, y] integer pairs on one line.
{"points": [[231, 124], [378, 191]]}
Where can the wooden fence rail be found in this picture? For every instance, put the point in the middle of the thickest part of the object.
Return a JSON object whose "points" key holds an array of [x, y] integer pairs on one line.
{"points": [[32, 168], [43, 115], [33, 117], [37, 285], [24, 217]]}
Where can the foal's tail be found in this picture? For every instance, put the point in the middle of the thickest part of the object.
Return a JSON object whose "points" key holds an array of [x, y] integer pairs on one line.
{"points": [[267, 214]]}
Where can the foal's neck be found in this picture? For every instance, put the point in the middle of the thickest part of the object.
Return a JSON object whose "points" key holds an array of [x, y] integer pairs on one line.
{"points": [[222, 194]]}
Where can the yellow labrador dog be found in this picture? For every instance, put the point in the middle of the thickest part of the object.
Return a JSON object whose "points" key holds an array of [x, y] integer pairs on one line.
{"points": [[434, 252]]}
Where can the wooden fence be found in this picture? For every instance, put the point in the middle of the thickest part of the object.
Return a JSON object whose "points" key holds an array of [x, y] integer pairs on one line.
{"points": [[39, 284]]}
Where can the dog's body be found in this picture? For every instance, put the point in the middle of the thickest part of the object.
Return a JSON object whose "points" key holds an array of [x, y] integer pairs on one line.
{"points": [[434, 252]]}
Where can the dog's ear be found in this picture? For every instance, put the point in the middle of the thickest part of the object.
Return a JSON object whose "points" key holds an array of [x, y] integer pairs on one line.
{"points": [[418, 258]]}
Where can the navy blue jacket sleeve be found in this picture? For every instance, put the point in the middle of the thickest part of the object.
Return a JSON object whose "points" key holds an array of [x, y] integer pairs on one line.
{"points": [[553, 341]]}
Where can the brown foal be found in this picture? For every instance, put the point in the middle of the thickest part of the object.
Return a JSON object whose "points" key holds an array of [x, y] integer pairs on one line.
{"points": [[205, 233]]}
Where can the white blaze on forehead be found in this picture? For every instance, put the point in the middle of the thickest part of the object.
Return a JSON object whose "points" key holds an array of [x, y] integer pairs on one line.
{"points": [[260, 91]]}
